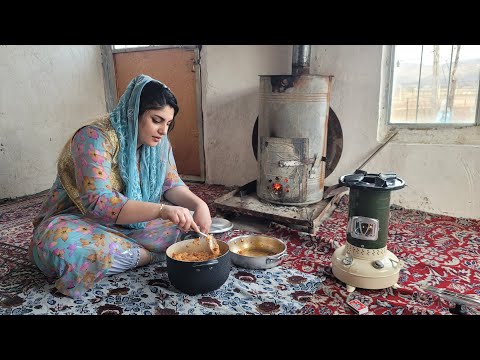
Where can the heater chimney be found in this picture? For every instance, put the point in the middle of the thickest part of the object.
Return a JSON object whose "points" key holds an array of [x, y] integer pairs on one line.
{"points": [[301, 60], [292, 130]]}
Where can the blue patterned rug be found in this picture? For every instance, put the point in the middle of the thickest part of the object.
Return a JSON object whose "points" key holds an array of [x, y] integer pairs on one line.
{"points": [[148, 291]]}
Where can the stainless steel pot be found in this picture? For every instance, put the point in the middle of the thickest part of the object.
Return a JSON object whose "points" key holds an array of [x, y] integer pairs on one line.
{"points": [[197, 277], [257, 251]]}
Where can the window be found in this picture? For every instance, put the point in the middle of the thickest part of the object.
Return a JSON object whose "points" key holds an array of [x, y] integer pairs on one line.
{"points": [[433, 85]]}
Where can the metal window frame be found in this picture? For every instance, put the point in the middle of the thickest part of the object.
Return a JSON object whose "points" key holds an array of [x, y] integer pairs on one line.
{"points": [[391, 62], [152, 47]]}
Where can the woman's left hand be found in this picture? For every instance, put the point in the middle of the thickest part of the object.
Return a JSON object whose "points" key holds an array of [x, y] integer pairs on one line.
{"points": [[203, 218]]}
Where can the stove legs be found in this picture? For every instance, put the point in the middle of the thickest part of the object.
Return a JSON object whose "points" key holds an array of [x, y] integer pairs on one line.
{"points": [[350, 288], [366, 268]]}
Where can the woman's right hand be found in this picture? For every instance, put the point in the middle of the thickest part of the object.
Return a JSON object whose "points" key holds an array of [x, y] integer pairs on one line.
{"points": [[180, 216]]}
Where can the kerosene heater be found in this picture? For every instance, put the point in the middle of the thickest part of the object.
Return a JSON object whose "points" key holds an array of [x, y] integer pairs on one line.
{"points": [[364, 260]]}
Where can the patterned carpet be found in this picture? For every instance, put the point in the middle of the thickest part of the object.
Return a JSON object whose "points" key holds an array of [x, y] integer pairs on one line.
{"points": [[437, 250]]}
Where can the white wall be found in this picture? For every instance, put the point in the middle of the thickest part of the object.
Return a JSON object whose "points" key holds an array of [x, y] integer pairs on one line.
{"points": [[442, 177], [440, 168], [230, 85], [46, 91]]}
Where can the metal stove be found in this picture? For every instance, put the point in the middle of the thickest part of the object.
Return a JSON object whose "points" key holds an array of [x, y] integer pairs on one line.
{"points": [[364, 260], [292, 129], [291, 142]]}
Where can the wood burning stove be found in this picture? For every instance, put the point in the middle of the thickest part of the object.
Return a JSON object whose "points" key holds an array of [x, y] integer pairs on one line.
{"points": [[292, 148], [292, 131]]}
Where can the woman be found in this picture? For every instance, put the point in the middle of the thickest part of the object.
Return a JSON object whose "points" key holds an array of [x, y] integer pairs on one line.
{"points": [[103, 215]]}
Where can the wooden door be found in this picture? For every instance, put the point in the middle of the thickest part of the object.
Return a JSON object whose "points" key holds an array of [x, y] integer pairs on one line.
{"points": [[175, 67]]}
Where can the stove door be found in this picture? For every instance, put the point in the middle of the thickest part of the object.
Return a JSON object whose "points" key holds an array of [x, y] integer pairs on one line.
{"points": [[283, 169]]}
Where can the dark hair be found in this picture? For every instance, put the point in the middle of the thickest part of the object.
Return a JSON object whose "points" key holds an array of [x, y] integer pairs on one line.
{"points": [[156, 96]]}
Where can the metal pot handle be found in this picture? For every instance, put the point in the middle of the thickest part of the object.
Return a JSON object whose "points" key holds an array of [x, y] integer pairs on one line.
{"points": [[272, 259], [208, 263]]}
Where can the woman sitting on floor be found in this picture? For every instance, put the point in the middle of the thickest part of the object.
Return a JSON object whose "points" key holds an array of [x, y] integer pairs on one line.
{"points": [[103, 215]]}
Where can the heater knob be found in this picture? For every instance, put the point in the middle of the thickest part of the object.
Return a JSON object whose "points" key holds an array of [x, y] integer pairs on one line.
{"points": [[378, 264]]}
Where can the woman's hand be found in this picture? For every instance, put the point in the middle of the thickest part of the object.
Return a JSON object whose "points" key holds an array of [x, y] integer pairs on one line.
{"points": [[180, 216], [182, 195], [202, 217]]}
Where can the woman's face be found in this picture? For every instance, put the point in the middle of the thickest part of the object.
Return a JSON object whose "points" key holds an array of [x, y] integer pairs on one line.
{"points": [[153, 125]]}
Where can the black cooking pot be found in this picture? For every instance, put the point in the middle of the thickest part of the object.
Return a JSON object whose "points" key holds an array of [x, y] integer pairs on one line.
{"points": [[198, 277]]}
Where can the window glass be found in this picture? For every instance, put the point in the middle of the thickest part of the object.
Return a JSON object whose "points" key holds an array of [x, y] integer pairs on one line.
{"points": [[434, 84]]}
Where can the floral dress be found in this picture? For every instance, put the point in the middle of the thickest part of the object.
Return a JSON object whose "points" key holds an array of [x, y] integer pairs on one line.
{"points": [[77, 249]]}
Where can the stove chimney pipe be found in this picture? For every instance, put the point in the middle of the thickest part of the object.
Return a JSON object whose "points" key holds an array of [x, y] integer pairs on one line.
{"points": [[301, 60]]}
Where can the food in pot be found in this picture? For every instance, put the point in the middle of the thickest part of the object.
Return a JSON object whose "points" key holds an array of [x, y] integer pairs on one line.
{"points": [[193, 256]]}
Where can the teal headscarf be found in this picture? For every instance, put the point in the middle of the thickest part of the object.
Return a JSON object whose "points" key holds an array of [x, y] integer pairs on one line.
{"points": [[124, 119]]}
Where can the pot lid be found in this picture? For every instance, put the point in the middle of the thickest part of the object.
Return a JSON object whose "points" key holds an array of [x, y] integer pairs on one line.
{"points": [[220, 225]]}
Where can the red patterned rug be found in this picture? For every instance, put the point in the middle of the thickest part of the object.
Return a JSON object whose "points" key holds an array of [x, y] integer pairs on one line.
{"points": [[436, 250]]}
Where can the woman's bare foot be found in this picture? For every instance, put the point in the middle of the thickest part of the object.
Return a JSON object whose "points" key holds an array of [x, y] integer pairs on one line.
{"points": [[144, 257]]}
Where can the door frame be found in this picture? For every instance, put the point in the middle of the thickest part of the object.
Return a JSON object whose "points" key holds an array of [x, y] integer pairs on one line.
{"points": [[111, 99]]}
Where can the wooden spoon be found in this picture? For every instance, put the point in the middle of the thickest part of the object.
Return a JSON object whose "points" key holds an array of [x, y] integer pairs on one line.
{"points": [[212, 243]]}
